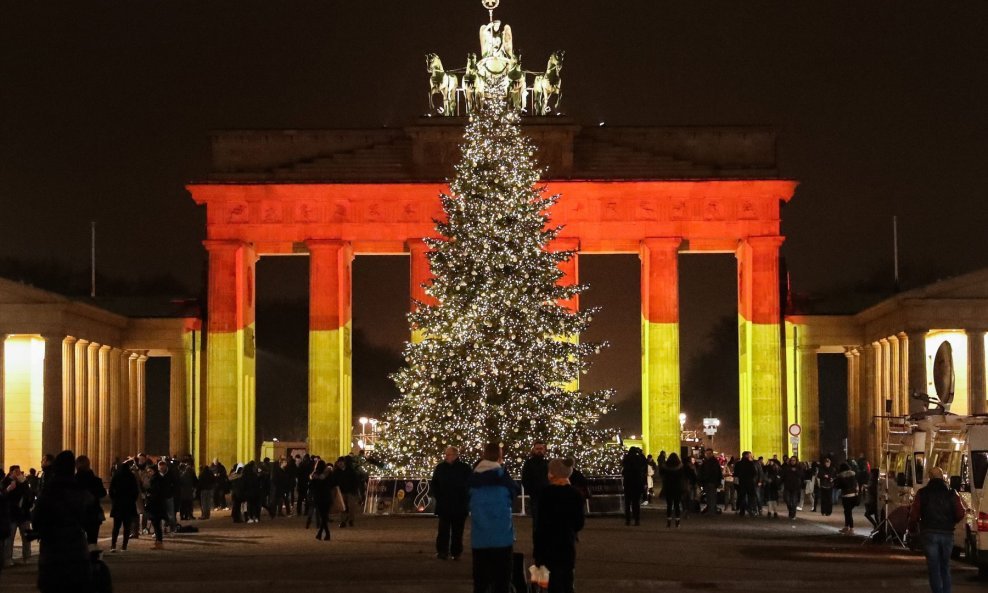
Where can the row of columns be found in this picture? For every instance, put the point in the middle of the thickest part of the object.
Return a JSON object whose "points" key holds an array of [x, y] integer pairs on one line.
{"points": [[882, 375], [103, 400], [91, 399], [227, 426]]}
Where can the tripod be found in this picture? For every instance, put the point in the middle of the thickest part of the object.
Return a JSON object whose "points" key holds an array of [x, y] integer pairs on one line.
{"points": [[886, 529]]}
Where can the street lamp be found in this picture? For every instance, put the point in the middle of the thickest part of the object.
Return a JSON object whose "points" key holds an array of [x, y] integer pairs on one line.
{"points": [[682, 421], [710, 426]]}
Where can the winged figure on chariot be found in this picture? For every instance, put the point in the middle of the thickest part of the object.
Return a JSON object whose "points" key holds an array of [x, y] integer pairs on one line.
{"points": [[498, 64]]}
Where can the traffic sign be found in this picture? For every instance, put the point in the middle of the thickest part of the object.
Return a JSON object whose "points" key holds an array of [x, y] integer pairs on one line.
{"points": [[795, 429]]}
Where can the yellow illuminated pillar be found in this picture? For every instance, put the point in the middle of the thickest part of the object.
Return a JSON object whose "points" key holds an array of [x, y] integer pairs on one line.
{"points": [[230, 355], [3, 415], [660, 344], [330, 368], [23, 399], [759, 346]]}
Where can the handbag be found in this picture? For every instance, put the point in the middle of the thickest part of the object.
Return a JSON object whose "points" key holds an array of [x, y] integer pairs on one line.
{"points": [[338, 506]]}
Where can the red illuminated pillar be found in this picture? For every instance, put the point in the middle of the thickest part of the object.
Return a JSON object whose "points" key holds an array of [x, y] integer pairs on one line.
{"points": [[419, 274], [330, 369], [759, 346], [230, 353], [570, 269], [660, 344]]}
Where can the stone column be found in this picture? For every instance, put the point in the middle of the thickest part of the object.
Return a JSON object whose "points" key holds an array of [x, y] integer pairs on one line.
{"points": [[854, 436], [976, 373], [178, 406], [809, 403], [759, 346], [230, 353], [894, 379], [141, 395], [330, 368], [133, 428], [92, 402], [81, 396], [52, 429], [116, 446], [885, 381], [3, 409], [903, 372], [660, 343], [102, 458], [917, 368], [877, 400], [127, 447], [419, 274], [68, 394]]}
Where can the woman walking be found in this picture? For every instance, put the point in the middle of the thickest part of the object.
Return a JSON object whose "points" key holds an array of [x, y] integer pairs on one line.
{"points": [[124, 491], [673, 482], [847, 483]]}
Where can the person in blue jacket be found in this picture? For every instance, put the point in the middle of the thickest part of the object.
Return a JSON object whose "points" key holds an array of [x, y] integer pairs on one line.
{"points": [[492, 530]]}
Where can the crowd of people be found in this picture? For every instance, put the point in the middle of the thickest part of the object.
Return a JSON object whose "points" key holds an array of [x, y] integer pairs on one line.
{"points": [[62, 505], [746, 485]]}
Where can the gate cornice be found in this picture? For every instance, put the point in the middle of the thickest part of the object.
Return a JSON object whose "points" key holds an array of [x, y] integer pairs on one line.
{"points": [[606, 216]]}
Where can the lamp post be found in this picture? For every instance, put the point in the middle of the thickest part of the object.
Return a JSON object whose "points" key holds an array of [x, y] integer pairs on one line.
{"points": [[710, 426], [682, 425]]}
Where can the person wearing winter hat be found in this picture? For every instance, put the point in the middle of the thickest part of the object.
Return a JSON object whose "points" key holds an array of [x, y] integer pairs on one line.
{"points": [[558, 520]]}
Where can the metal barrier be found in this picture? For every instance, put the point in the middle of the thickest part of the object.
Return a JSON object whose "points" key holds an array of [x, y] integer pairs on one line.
{"points": [[411, 496]]}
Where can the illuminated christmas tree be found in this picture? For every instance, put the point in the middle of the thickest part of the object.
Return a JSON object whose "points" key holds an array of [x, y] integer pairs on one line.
{"points": [[498, 358]]}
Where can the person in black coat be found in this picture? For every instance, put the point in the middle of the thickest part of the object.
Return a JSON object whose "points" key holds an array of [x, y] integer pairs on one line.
{"points": [[94, 484], [59, 521], [449, 488], [826, 475], [560, 518], [5, 530], [535, 477], [673, 484], [321, 485], [634, 473], [124, 491], [745, 476], [207, 488], [792, 485], [159, 493]]}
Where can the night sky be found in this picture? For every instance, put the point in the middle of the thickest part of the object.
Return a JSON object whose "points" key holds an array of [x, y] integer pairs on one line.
{"points": [[880, 109]]}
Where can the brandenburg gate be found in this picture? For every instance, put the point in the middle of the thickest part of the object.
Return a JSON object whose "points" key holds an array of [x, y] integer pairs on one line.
{"points": [[332, 195]]}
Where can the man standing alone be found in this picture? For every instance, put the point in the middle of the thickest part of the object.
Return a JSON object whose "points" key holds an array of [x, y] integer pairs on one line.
{"points": [[492, 532], [449, 487], [535, 477], [936, 509]]}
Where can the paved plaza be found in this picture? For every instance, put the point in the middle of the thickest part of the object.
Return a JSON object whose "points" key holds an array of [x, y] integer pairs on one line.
{"points": [[395, 554]]}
